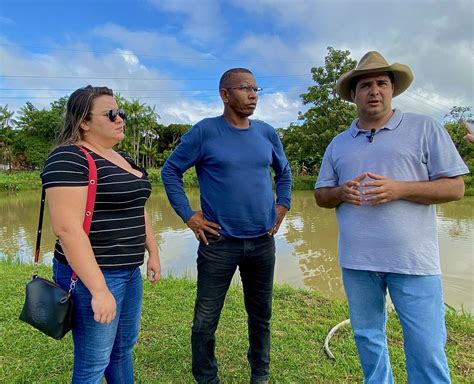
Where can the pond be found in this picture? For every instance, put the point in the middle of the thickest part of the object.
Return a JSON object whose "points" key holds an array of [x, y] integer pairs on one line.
{"points": [[306, 243]]}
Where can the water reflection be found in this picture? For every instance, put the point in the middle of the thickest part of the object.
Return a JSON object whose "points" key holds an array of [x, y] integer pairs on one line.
{"points": [[306, 243], [456, 241], [312, 233]]}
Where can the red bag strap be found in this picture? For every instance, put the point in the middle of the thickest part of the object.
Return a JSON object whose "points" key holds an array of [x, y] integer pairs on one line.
{"points": [[91, 191], [90, 202]]}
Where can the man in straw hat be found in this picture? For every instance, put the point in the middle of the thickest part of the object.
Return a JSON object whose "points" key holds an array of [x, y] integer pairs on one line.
{"points": [[384, 175]]}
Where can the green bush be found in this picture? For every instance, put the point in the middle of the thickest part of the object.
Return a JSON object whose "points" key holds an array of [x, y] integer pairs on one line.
{"points": [[189, 177], [154, 175], [302, 183], [19, 180]]}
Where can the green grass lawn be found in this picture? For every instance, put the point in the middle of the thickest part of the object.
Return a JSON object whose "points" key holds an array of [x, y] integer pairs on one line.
{"points": [[301, 320]]}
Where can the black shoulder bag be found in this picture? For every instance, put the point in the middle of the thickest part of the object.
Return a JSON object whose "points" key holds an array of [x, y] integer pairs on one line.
{"points": [[48, 307]]}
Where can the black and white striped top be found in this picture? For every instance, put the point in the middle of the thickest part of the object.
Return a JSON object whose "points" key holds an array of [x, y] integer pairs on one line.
{"points": [[117, 232]]}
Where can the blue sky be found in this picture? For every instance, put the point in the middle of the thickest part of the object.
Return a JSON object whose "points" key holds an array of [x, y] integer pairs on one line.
{"points": [[170, 54]]}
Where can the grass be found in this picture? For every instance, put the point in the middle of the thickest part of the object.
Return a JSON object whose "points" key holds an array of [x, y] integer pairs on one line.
{"points": [[300, 323], [26, 180]]}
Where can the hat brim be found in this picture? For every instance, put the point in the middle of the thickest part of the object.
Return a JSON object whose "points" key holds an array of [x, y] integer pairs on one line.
{"points": [[403, 77]]}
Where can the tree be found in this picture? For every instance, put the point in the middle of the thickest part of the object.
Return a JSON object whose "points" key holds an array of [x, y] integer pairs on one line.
{"points": [[455, 117], [328, 115], [139, 127], [149, 148], [169, 137], [7, 135], [6, 118], [45, 123], [38, 129]]}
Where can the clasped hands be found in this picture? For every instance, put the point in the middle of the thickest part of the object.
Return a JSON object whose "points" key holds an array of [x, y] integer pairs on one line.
{"points": [[379, 190]]}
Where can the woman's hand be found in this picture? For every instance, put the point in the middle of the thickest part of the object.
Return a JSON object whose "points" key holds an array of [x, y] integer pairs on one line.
{"points": [[153, 269], [103, 306], [153, 266]]}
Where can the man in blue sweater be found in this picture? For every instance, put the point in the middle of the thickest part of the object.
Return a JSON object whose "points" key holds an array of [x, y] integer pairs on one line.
{"points": [[238, 218]]}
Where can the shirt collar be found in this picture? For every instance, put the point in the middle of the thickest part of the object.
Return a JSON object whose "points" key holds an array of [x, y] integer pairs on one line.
{"points": [[393, 123]]}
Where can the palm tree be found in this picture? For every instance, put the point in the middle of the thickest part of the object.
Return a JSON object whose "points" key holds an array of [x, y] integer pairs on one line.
{"points": [[7, 134], [141, 119]]}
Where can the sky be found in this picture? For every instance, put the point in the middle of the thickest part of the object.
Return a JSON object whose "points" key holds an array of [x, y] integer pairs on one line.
{"points": [[170, 54]]}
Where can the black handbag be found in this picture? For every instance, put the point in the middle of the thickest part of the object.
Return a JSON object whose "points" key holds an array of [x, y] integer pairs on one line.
{"points": [[48, 307]]}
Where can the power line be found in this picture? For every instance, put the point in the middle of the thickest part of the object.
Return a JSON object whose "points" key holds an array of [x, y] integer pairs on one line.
{"points": [[149, 90], [433, 101], [411, 107], [426, 103], [140, 97], [136, 78], [153, 56], [419, 98], [115, 90], [185, 93]]}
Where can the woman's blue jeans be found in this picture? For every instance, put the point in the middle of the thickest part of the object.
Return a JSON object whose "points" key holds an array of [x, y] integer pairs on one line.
{"points": [[104, 349], [418, 301], [216, 264]]}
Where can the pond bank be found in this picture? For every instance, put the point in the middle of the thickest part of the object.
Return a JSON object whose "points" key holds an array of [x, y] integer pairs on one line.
{"points": [[26, 180]]}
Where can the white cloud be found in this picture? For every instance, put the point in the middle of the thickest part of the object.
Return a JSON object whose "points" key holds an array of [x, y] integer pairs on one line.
{"points": [[59, 73], [151, 45], [130, 58], [426, 102], [270, 54], [188, 111], [278, 109], [80, 66], [433, 37], [202, 21]]}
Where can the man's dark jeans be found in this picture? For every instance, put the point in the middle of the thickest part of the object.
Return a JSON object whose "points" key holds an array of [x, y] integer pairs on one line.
{"points": [[216, 264]]}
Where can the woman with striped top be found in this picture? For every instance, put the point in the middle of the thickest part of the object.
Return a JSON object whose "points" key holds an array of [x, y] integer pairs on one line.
{"points": [[108, 294]]}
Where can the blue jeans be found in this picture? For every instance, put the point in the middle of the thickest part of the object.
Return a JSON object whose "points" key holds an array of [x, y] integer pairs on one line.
{"points": [[216, 264], [104, 349], [418, 301]]}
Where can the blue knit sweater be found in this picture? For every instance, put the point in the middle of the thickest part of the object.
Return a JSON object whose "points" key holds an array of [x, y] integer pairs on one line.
{"points": [[233, 170]]}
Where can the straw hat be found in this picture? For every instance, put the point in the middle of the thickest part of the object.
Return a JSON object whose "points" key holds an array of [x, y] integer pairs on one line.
{"points": [[373, 62]]}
